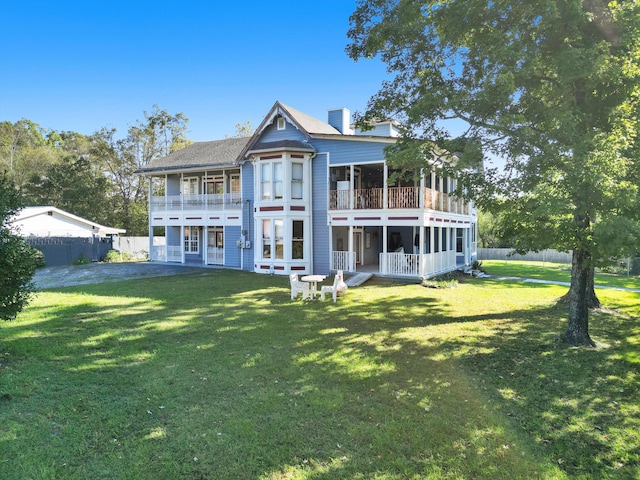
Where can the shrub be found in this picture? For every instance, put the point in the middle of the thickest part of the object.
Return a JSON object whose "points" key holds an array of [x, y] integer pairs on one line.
{"points": [[449, 280], [112, 256], [82, 260]]}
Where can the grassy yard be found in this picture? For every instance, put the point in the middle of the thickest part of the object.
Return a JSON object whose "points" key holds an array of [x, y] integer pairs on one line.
{"points": [[558, 272], [221, 376]]}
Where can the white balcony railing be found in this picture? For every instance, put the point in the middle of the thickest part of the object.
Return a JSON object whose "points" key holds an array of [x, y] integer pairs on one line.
{"points": [[396, 198], [223, 201], [345, 261]]}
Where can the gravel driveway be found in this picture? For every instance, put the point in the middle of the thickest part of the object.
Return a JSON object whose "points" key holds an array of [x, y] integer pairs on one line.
{"points": [[65, 276]]}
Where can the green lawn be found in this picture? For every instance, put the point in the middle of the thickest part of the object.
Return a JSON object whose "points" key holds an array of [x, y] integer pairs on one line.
{"points": [[221, 376], [553, 271]]}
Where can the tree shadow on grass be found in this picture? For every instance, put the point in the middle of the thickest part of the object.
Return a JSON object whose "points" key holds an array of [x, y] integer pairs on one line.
{"points": [[391, 380]]}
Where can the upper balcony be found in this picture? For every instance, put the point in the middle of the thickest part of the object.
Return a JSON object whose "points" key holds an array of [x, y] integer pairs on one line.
{"points": [[396, 198], [206, 202]]}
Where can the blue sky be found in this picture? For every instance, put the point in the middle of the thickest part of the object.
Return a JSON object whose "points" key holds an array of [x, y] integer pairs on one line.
{"points": [[82, 65]]}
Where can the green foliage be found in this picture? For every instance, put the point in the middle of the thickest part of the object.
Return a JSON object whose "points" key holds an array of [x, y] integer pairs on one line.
{"points": [[18, 260], [91, 176], [550, 87], [159, 134], [81, 260], [112, 256], [443, 281], [74, 185]]}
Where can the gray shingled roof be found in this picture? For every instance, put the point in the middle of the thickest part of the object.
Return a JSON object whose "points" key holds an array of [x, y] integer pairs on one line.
{"points": [[218, 153], [310, 124]]}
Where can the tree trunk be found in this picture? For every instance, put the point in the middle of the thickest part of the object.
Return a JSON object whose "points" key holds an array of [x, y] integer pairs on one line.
{"points": [[577, 332], [592, 299]]}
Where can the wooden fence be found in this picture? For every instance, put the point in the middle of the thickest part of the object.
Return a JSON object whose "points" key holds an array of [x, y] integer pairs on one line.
{"points": [[59, 251], [552, 256]]}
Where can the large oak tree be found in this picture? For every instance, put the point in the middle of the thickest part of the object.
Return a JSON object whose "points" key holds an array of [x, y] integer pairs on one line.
{"points": [[552, 87]]}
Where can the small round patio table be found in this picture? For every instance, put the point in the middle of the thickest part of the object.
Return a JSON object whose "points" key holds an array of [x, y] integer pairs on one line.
{"points": [[313, 281]]}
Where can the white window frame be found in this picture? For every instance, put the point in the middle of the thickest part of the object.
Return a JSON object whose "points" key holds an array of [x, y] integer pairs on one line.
{"points": [[191, 237], [269, 186], [188, 184], [297, 240], [267, 237], [297, 183]]}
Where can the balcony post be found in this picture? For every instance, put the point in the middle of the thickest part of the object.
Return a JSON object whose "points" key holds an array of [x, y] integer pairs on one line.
{"points": [[385, 191], [150, 197]]}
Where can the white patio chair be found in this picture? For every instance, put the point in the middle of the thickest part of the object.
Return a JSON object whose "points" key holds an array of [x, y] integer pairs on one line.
{"points": [[333, 289], [298, 287]]}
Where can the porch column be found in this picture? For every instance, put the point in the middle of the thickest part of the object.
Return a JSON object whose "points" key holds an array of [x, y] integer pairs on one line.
{"points": [[421, 195], [385, 193], [350, 247], [352, 188], [182, 227], [205, 245], [383, 267], [422, 257], [150, 218], [467, 246], [432, 233]]}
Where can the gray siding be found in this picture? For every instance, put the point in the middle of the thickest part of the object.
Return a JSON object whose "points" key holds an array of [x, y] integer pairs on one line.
{"points": [[345, 151], [320, 229], [272, 134], [231, 250], [247, 213]]}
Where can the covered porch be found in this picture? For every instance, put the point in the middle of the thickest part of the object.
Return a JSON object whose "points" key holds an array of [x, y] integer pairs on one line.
{"points": [[367, 187], [405, 251]]}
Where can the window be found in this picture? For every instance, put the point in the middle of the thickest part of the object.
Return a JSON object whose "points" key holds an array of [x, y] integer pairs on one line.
{"points": [[265, 179], [191, 239], [279, 237], [278, 184], [297, 241], [444, 239], [459, 239], [234, 183], [190, 186], [271, 180], [436, 239], [266, 238], [297, 172], [281, 123], [214, 186]]}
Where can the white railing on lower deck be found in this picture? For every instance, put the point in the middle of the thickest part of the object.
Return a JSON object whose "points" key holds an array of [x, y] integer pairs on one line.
{"points": [[417, 265], [174, 253], [215, 256], [158, 253], [400, 264], [438, 263], [345, 261]]}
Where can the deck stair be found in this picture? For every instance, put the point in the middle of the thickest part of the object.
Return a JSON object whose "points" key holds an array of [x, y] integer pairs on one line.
{"points": [[358, 279]]}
